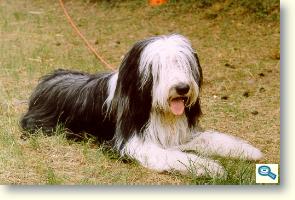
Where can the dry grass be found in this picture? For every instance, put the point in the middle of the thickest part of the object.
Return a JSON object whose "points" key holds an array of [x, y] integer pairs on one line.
{"points": [[241, 94]]}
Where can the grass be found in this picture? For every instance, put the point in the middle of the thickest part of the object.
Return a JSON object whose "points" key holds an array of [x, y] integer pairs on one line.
{"points": [[239, 172], [239, 51]]}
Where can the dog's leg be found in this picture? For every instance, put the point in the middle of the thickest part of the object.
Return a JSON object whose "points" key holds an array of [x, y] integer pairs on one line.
{"points": [[215, 143], [154, 157]]}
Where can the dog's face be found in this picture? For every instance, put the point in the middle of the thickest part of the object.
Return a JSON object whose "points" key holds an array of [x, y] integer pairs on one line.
{"points": [[159, 74], [175, 72]]}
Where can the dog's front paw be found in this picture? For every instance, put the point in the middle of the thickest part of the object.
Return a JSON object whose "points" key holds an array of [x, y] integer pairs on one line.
{"points": [[206, 167], [251, 153]]}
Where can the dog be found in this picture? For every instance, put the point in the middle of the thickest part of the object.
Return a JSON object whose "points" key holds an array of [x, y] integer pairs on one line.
{"points": [[149, 109]]}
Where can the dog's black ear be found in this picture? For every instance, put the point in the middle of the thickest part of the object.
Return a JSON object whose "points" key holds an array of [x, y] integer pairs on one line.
{"points": [[194, 112], [132, 102], [197, 72]]}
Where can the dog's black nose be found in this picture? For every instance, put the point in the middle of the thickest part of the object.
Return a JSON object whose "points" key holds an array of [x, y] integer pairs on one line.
{"points": [[182, 88]]}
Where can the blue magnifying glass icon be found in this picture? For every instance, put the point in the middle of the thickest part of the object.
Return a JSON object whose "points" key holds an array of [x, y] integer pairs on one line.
{"points": [[265, 171]]}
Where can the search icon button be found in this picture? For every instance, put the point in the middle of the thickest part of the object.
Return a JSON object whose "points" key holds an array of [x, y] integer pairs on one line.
{"points": [[265, 171]]}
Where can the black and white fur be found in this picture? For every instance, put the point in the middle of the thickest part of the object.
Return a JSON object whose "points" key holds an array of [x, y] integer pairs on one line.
{"points": [[132, 107]]}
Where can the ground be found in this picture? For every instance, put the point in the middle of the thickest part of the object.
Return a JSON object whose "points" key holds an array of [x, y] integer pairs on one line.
{"points": [[239, 50]]}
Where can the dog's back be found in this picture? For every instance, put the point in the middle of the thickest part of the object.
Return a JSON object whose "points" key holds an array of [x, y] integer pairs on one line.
{"points": [[72, 99]]}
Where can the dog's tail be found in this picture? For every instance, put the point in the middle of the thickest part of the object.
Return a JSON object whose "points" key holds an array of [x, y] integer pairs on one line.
{"points": [[28, 123], [31, 124]]}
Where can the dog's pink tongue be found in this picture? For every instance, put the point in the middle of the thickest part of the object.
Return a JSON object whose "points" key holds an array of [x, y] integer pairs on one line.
{"points": [[177, 106]]}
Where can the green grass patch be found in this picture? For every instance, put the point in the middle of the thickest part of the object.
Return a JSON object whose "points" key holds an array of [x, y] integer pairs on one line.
{"points": [[52, 178]]}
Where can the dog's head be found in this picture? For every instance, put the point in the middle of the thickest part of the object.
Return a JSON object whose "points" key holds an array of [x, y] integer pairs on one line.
{"points": [[174, 68], [159, 74]]}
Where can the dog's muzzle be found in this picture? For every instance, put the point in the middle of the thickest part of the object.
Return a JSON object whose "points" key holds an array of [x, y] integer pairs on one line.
{"points": [[179, 98]]}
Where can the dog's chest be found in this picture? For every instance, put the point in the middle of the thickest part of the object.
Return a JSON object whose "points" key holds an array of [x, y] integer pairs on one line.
{"points": [[168, 131]]}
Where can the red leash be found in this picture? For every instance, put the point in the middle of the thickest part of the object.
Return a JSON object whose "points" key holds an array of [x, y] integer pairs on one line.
{"points": [[102, 60]]}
